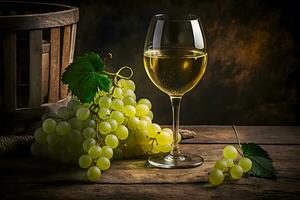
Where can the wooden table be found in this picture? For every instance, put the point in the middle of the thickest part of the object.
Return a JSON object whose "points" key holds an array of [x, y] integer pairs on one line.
{"points": [[31, 178]]}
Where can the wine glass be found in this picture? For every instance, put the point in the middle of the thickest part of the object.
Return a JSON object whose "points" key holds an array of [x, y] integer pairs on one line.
{"points": [[175, 60]]}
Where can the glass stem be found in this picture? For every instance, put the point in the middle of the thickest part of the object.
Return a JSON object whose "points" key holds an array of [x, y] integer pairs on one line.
{"points": [[175, 101]]}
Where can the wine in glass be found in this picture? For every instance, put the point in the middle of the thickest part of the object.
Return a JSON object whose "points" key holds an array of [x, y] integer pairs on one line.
{"points": [[175, 60]]}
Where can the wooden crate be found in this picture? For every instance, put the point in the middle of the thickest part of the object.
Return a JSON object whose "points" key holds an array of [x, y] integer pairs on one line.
{"points": [[37, 43]]}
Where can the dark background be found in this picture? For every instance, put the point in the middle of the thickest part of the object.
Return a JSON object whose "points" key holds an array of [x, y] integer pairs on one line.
{"points": [[253, 51]]}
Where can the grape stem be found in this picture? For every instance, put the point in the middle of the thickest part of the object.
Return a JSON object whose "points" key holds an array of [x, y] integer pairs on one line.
{"points": [[238, 140], [117, 74]]}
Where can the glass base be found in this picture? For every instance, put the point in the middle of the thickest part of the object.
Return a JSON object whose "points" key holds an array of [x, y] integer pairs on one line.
{"points": [[185, 160]]}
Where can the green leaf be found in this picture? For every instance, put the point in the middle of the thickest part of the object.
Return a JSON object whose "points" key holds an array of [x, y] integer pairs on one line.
{"points": [[85, 76], [262, 165]]}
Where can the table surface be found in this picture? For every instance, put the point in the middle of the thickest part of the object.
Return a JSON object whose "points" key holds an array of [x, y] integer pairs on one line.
{"points": [[32, 178]]}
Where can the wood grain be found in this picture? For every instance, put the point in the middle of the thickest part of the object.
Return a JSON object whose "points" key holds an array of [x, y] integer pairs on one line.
{"points": [[137, 171], [258, 134], [65, 60], [54, 65], [36, 178], [57, 15], [35, 68], [10, 71]]}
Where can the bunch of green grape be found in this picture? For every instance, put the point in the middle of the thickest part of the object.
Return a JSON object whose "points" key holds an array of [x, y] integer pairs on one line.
{"points": [[113, 126], [229, 168]]}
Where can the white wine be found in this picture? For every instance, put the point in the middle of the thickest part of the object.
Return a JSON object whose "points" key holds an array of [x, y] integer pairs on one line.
{"points": [[175, 71]]}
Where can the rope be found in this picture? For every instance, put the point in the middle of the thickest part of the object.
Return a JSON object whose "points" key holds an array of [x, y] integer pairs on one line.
{"points": [[13, 142]]}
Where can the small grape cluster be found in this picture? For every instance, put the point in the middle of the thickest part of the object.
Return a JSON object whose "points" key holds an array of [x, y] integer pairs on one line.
{"points": [[229, 168], [112, 126]]}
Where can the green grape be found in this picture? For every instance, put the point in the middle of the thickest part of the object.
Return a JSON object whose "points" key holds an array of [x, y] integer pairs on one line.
{"points": [[118, 154], [216, 177], [88, 143], [104, 128], [118, 93], [229, 162], [142, 110], [113, 124], [153, 129], [164, 138], [36, 149], [150, 114], [54, 150], [88, 133], [75, 136], [105, 102], [129, 101], [122, 132], [63, 112], [75, 123], [156, 127], [89, 123], [117, 104], [125, 121], [141, 136], [129, 110], [179, 137], [146, 102], [230, 152], [53, 139], [95, 152], [152, 133], [103, 163], [121, 83], [83, 113], [236, 172], [93, 174], [246, 164], [63, 128], [118, 116], [76, 108], [85, 161], [107, 152], [133, 123], [142, 125], [40, 136], [129, 93], [147, 119], [146, 147], [165, 148], [221, 165], [49, 125], [72, 104], [103, 113], [129, 84], [155, 149], [168, 130], [112, 141]]}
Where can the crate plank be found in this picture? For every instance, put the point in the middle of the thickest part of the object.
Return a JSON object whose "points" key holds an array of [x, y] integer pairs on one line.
{"points": [[35, 71], [54, 65], [10, 71]]}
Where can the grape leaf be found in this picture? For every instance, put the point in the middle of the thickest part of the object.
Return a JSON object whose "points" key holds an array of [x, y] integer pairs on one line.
{"points": [[85, 76], [262, 165]]}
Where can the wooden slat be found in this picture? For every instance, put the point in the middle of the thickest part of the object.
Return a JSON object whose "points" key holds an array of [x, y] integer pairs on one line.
{"points": [[10, 71], [54, 65], [35, 63], [73, 41], [65, 59], [135, 171], [45, 76], [257, 134], [37, 16]]}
